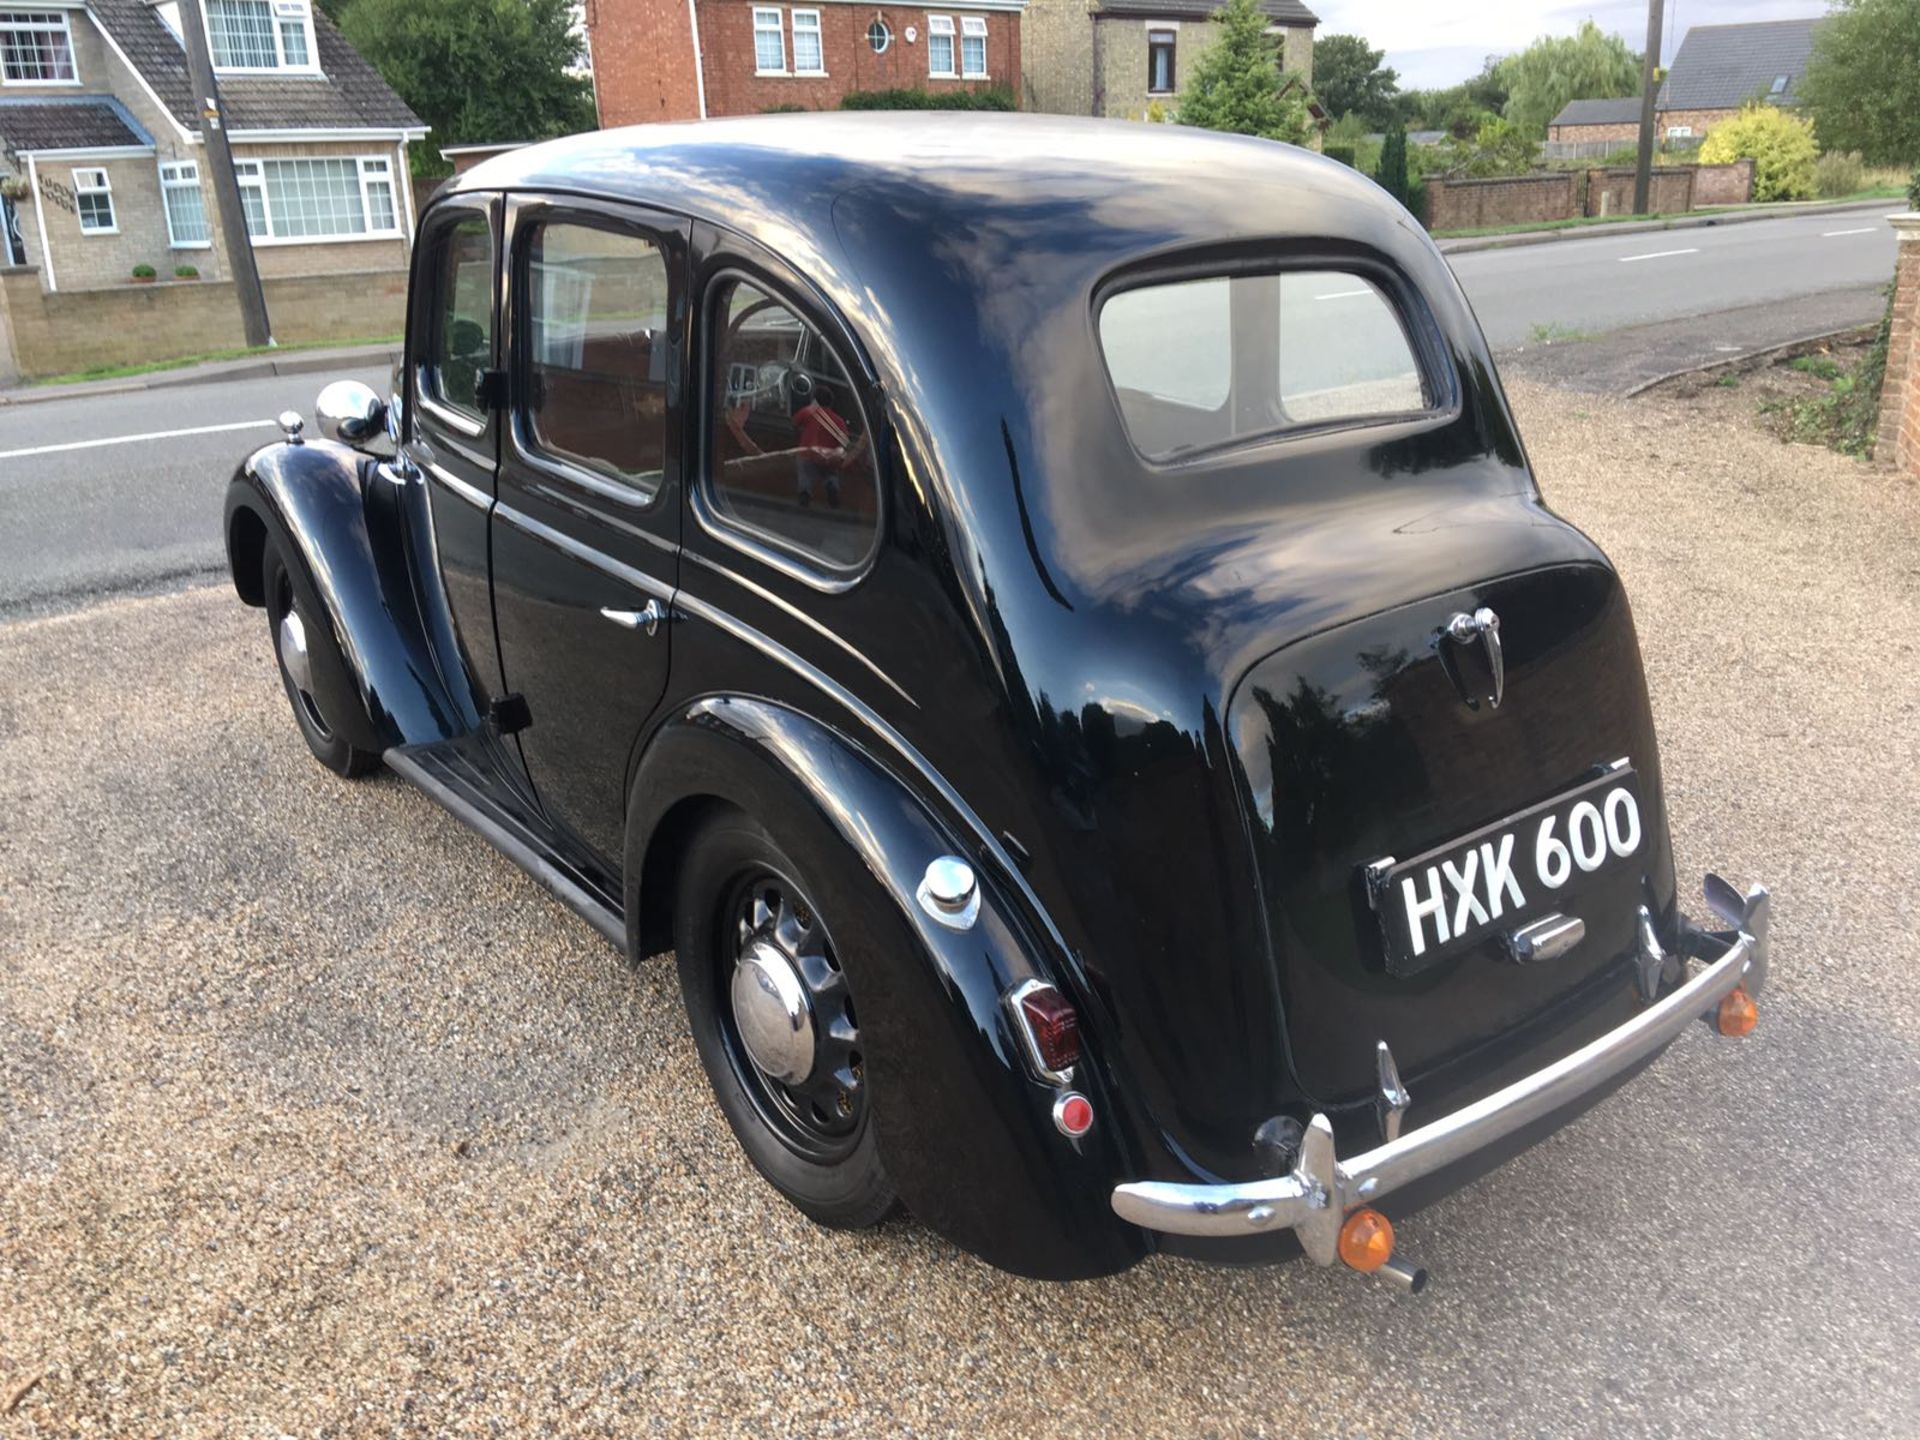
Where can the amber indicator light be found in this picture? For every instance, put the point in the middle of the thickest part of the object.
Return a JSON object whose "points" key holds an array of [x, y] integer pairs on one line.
{"points": [[1737, 1014], [1054, 1026], [1366, 1240]]}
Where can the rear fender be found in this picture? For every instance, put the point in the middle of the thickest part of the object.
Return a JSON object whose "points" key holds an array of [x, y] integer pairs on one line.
{"points": [[358, 548], [967, 1137]]}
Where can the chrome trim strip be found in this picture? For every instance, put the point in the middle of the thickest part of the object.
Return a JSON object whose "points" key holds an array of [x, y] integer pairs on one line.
{"points": [[586, 554], [1316, 1194]]}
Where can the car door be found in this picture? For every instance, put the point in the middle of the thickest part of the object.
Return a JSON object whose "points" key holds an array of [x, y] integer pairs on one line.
{"points": [[453, 437], [586, 531]]}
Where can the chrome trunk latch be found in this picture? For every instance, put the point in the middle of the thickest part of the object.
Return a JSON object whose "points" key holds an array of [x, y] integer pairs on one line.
{"points": [[1484, 626], [1547, 938]]}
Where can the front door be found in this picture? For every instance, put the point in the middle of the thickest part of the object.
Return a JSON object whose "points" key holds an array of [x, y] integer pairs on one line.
{"points": [[586, 532]]}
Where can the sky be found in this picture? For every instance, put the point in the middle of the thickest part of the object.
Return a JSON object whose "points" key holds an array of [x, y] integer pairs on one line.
{"points": [[1441, 44]]}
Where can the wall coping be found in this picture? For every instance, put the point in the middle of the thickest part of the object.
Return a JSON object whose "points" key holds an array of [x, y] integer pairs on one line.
{"points": [[1906, 225]]}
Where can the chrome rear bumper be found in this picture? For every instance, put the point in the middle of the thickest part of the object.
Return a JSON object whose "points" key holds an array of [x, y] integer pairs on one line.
{"points": [[1313, 1198]]}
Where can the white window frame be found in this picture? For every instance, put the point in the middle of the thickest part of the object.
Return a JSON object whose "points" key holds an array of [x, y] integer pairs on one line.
{"points": [[819, 41], [769, 20], [185, 176], [66, 30], [1171, 31], [279, 12], [973, 27], [941, 27], [1679, 132], [251, 175], [105, 187]]}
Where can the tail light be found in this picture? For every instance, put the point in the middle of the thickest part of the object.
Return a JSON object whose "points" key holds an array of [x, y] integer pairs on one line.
{"points": [[1048, 1028]]}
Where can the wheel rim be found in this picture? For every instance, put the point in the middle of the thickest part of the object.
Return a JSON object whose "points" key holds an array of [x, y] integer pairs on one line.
{"points": [[296, 660], [787, 1017]]}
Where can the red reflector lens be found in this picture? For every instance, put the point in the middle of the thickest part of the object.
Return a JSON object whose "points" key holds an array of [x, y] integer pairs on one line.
{"points": [[1073, 1113], [1054, 1026]]}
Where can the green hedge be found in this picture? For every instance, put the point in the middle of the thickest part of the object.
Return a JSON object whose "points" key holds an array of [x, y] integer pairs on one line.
{"points": [[928, 100], [1343, 153]]}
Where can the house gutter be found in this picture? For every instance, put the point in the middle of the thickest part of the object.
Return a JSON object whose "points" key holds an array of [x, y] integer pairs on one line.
{"points": [[40, 219], [699, 65]]}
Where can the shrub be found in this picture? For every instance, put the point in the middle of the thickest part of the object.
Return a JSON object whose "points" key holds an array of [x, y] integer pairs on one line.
{"points": [[1838, 173], [1392, 174], [1157, 114], [144, 272], [784, 110], [996, 99], [1913, 189], [1780, 145], [1342, 153], [1237, 86], [185, 272]]}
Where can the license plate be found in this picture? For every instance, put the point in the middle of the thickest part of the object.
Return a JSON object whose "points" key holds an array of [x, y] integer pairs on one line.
{"points": [[1459, 894]]}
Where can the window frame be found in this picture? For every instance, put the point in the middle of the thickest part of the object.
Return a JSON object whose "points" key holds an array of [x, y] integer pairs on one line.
{"points": [[105, 187], [818, 31], [777, 29], [768, 548], [885, 36], [1425, 343], [942, 26], [424, 305], [276, 19], [526, 449], [179, 182], [1163, 36], [19, 14], [250, 175], [973, 27]]}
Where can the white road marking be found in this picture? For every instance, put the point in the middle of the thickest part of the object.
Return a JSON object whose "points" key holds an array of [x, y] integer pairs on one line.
{"points": [[132, 439], [1343, 295], [1658, 255], [1863, 230]]}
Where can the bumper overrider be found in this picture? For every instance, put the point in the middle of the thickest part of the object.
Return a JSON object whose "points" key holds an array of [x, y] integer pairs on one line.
{"points": [[1315, 1197]]}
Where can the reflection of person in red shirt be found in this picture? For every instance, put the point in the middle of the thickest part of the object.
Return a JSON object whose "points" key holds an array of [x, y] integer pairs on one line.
{"points": [[827, 449]]}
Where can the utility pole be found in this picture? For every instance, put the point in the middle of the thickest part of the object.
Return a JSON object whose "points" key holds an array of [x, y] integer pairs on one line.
{"points": [[226, 186], [1643, 169]]}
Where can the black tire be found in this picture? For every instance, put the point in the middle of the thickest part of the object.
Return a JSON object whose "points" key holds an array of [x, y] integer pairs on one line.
{"points": [[815, 1141], [330, 749]]}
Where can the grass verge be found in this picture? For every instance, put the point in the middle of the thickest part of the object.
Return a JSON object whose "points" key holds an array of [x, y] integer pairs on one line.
{"points": [[1583, 222], [151, 367]]}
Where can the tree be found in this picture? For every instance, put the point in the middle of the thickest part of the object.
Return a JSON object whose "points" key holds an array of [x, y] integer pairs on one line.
{"points": [[1393, 165], [1237, 84], [1350, 80], [1863, 82], [478, 70], [1780, 145], [1587, 65]]}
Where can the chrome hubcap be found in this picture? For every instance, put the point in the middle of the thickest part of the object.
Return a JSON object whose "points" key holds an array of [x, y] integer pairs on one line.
{"points": [[293, 652], [775, 1017]]}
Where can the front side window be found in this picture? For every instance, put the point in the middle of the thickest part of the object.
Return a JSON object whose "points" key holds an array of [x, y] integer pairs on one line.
{"points": [[769, 43], [186, 207], [598, 351], [460, 332], [1200, 363], [36, 48], [260, 34], [789, 455], [1160, 45], [940, 46], [973, 48], [318, 199], [93, 200], [809, 58]]}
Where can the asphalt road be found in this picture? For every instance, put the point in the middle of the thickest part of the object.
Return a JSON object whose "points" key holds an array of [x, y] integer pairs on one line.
{"points": [[317, 1118], [122, 492]]}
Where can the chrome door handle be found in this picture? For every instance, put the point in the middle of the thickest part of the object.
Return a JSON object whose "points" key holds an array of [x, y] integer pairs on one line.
{"points": [[649, 617], [1482, 625]]}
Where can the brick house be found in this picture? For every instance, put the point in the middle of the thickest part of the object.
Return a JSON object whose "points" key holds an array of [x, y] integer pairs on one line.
{"points": [[1114, 58], [1609, 123], [690, 59], [101, 161]]}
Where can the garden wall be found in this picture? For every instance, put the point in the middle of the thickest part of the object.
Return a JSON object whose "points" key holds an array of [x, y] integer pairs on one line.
{"points": [[132, 324], [1514, 200], [1610, 192], [1898, 443], [1723, 184]]}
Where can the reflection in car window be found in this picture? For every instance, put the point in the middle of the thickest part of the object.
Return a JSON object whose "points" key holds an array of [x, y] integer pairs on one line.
{"points": [[462, 332], [788, 447], [598, 351], [1198, 363]]}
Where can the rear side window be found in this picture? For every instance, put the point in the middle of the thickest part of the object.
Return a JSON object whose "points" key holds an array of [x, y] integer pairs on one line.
{"points": [[460, 333], [598, 351], [790, 459], [1201, 363]]}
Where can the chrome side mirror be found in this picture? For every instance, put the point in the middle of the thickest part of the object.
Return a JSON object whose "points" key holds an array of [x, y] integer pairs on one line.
{"points": [[350, 412]]}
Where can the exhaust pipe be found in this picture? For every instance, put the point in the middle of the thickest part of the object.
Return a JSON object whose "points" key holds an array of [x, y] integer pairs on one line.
{"points": [[1403, 1275]]}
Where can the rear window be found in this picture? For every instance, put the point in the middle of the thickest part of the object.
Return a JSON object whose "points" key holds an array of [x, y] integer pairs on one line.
{"points": [[1202, 363]]}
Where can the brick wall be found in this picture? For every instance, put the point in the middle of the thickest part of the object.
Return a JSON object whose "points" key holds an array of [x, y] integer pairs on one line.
{"points": [[1610, 192], [1120, 67], [1518, 200], [1899, 439], [1698, 121], [1723, 184], [1056, 57], [53, 334], [1628, 134]]}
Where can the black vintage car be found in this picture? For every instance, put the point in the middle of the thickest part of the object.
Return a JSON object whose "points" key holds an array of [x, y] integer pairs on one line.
{"points": [[1051, 622]]}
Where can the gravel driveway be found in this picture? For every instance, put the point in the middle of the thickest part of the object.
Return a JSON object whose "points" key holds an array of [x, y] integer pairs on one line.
{"points": [[319, 1119]]}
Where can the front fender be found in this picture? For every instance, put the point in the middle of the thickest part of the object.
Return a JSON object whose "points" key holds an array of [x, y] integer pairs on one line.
{"points": [[355, 536], [967, 1137]]}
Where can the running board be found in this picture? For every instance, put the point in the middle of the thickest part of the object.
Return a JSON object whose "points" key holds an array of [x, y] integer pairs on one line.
{"points": [[459, 786]]}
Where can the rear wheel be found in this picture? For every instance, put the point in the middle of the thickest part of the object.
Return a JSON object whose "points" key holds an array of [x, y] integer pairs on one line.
{"points": [[293, 632], [773, 1017]]}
